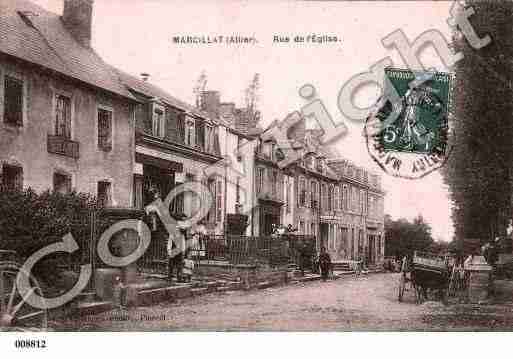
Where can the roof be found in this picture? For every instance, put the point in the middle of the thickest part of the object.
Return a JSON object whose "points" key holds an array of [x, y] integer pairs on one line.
{"points": [[149, 90], [41, 38]]}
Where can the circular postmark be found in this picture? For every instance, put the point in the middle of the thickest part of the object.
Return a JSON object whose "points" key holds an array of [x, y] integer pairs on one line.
{"points": [[409, 138]]}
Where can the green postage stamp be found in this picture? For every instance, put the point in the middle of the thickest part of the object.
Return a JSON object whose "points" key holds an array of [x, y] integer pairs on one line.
{"points": [[413, 123]]}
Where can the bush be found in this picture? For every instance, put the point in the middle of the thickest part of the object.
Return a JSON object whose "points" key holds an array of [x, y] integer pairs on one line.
{"points": [[30, 221]]}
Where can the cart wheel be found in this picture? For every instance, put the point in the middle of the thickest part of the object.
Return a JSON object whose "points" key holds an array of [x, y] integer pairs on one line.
{"points": [[401, 288], [15, 313]]}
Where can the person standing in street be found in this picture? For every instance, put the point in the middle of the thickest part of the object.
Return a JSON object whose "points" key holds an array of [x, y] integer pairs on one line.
{"points": [[324, 263], [176, 247]]}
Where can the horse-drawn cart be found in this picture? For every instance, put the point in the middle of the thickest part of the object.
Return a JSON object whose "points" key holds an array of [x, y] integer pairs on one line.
{"points": [[425, 271]]}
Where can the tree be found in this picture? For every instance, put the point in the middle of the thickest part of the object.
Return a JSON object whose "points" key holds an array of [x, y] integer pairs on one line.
{"points": [[251, 98], [199, 88], [404, 237], [478, 169]]}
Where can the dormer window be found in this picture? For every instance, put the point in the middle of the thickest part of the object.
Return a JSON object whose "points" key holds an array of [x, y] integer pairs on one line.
{"points": [[310, 161], [158, 121], [272, 149], [320, 165], [189, 132]]}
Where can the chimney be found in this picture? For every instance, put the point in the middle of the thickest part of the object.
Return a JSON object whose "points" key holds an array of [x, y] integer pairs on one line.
{"points": [[78, 18], [210, 102]]}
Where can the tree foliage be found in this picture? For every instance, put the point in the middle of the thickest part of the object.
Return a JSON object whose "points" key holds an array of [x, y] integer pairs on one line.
{"points": [[403, 237], [478, 170]]}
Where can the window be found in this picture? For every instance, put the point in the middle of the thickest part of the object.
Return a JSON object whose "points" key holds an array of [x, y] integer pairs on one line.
{"points": [[324, 194], [336, 200], [200, 134], [104, 129], [313, 187], [354, 198], [330, 198], [180, 125], [360, 243], [219, 201], [371, 206], [301, 227], [61, 183], [273, 152], [189, 132], [287, 196], [260, 179], [274, 183], [302, 192], [310, 161], [341, 198], [12, 177], [104, 193], [13, 101], [346, 198], [312, 229], [63, 116], [211, 184], [158, 122]]}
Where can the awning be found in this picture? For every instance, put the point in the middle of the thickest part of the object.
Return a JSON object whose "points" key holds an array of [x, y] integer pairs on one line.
{"points": [[168, 165]]}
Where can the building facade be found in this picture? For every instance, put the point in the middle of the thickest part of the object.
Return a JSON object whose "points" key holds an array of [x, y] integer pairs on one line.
{"points": [[321, 195], [69, 121], [361, 224], [238, 146], [65, 120]]}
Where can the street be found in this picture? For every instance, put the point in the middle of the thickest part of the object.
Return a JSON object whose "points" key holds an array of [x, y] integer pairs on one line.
{"points": [[347, 304]]}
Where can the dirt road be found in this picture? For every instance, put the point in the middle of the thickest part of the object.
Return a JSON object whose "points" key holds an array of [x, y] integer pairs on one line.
{"points": [[348, 304]]}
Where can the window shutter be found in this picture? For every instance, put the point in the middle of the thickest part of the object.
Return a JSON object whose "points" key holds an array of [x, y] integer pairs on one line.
{"points": [[257, 180], [67, 117], [147, 116], [217, 147], [200, 134], [13, 103], [181, 127], [171, 124]]}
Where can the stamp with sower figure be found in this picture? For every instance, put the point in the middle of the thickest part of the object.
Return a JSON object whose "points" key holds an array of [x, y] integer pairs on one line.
{"points": [[407, 134]]}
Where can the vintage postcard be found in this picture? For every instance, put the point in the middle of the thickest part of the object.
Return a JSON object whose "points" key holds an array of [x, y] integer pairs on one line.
{"points": [[278, 166]]}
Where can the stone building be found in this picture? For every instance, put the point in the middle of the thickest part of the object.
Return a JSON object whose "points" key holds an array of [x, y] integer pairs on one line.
{"points": [[175, 143], [320, 194], [361, 223], [65, 119], [238, 145]]}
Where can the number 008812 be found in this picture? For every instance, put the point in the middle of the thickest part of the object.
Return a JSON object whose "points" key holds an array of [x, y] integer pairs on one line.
{"points": [[30, 343]]}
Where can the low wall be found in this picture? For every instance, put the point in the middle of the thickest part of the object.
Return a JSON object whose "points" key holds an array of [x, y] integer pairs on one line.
{"points": [[250, 276]]}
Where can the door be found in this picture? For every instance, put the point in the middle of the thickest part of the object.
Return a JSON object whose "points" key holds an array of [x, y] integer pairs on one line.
{"points": [[371, 257], [324, 235]]}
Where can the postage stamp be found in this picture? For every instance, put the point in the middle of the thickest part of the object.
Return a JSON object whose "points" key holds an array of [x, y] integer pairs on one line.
{"points": [[408, 137]]}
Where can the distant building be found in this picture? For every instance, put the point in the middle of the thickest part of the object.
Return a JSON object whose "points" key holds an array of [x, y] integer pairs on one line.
{"points": [[321, 195], [362, 234]]}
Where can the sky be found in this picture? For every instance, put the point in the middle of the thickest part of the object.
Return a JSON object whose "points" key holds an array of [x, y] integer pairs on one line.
{"points": [[136, 36]]}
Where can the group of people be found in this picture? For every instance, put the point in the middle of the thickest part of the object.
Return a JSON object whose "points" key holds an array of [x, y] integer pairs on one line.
{"points": [[320, 262]]}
